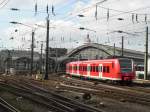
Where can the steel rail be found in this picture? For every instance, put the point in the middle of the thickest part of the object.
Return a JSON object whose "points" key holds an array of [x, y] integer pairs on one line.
{"points": [[59, 100], [66, 101], [8, 106]]}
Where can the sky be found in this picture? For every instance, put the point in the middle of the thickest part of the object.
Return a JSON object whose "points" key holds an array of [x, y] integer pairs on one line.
{"points": [[129, 17]]}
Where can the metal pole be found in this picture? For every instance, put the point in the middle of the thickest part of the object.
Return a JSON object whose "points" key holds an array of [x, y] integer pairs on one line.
{"points": [[122, 46], [56, 60], [41, 63], [146, 55], [8, 62], [32, 53], [47, 48], [114, 49]]}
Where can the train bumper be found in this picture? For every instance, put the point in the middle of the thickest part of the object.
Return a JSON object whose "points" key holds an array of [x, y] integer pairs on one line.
{"points": [[128, 77]]}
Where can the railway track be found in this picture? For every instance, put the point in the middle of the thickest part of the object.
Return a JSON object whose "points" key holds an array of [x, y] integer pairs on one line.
{"points": [[7, 107], [57, 102], [132, 87], [124, 93]]}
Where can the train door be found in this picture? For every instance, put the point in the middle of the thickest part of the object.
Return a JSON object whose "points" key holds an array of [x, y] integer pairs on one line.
{"points": [[94, 71], [100, 71], [72, 69], [81, 69], [78, 69], [88, 70], [84, 69], [75, 69]]}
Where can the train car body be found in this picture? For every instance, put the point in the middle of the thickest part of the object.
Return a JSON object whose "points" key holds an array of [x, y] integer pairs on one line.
{"points": [[139, 70], [106, 69]]}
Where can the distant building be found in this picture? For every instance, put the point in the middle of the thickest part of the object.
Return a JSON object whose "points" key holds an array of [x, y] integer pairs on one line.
{"points": [[20, 60], [57, 52]]}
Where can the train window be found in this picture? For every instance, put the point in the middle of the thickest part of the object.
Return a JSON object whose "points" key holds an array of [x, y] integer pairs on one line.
{"points": [[125, 65], [107, 69], [104, 69], [93, 68], [96, 68], [139, 68], [142, 69], [112, 65], [83, 68]]}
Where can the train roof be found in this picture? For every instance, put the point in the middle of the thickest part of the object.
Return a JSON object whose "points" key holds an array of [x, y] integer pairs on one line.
{"points": [[93, 61], [96, 61]]}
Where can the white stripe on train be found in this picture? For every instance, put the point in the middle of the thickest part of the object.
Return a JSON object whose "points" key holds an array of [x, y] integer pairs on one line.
{"points": [[96, 77]]}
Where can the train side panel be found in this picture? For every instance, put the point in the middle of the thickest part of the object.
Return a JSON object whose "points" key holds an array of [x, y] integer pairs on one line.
{"points": [[94, 72], [84, 69], [109, 69]]}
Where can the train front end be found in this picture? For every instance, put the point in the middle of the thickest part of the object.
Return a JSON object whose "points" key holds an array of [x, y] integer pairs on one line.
{"points": [[127, 72]]}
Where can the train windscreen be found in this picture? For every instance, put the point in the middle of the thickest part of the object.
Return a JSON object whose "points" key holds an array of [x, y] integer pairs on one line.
{"points": [[125, 65], [139, 68]]}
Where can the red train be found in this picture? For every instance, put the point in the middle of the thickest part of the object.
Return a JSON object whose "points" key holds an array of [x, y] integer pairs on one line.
{"points": [[120, 69]]}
